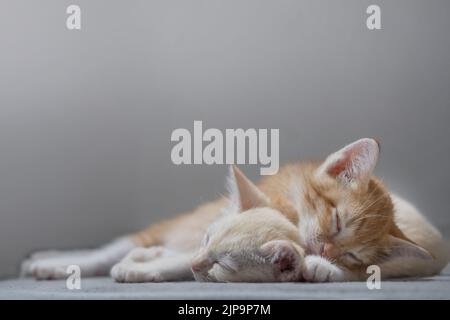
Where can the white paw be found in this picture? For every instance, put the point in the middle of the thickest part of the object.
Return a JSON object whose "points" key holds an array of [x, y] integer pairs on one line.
{"points": [[47, 269], [130, 272], [25, 267], [48, 264], [53, 267], [318, 269]]}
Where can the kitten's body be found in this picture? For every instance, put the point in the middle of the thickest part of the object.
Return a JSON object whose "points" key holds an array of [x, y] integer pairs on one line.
{"points": [[164, 251]]}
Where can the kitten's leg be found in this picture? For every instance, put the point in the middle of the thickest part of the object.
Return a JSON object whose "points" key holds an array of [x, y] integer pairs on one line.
{"points": [[46, 254], [52, 265], [95, 262], [141, 265], [318, 269]]}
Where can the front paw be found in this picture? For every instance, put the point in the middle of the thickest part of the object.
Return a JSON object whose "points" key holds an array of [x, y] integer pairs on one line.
{"points": [[47, 269], [130, 272], [318, 269], [29, 267]]}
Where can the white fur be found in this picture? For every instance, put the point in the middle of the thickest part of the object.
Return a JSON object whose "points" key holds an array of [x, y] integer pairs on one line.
{"points": [[318, 269], [233, 192], [241, 238], [53, 264], [154, 264], [308, 231]]}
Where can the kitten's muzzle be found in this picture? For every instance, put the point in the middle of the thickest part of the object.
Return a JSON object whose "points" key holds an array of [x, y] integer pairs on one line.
{"points": [[329, 250], [201, 263]]}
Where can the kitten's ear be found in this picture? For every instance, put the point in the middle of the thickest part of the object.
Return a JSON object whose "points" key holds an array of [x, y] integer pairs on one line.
{"points": [[400, 248], [284, 257], [244, 193], [354, 163]]}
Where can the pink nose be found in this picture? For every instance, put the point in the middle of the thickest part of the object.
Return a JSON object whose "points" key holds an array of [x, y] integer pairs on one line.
{"points": [[329, 250], [197, 267], [200, 264]]}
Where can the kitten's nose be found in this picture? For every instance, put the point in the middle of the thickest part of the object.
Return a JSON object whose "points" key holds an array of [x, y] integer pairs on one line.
{"points": [[200, 264], [329, 250], [196, 267]]}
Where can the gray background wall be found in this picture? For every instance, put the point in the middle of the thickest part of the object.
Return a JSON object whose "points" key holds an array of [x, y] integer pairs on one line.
{"points": [[86, 116]]}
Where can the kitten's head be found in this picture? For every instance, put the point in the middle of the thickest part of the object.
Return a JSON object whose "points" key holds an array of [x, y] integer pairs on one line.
{"points": [[347, 215], [250, 242]]}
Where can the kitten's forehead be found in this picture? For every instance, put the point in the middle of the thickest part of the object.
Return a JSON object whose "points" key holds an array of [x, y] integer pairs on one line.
{"points": [[364, 213], [319, 193], [324, 193]]}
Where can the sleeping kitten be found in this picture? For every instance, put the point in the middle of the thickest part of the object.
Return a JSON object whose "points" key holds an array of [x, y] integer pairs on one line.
{"points": [[314, 221]]}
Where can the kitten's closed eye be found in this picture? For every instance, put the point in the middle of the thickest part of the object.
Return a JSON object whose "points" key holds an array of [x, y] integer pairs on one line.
{"points": [[227, 266], [205, 239], [336, 222]]}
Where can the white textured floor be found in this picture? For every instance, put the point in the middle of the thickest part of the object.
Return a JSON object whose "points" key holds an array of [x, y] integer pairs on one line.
{"points": [[437, 287]]}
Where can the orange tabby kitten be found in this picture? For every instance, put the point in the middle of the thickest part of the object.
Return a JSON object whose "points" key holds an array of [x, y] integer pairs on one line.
{"points": [[316, 221]]}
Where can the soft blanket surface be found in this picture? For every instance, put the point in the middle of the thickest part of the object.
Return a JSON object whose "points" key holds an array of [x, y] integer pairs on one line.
{"points": [[437, 287]]}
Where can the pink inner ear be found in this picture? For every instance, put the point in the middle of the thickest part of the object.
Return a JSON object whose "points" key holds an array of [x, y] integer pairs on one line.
{"points": [[337, 168], [354, 162], [341, 165]]}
